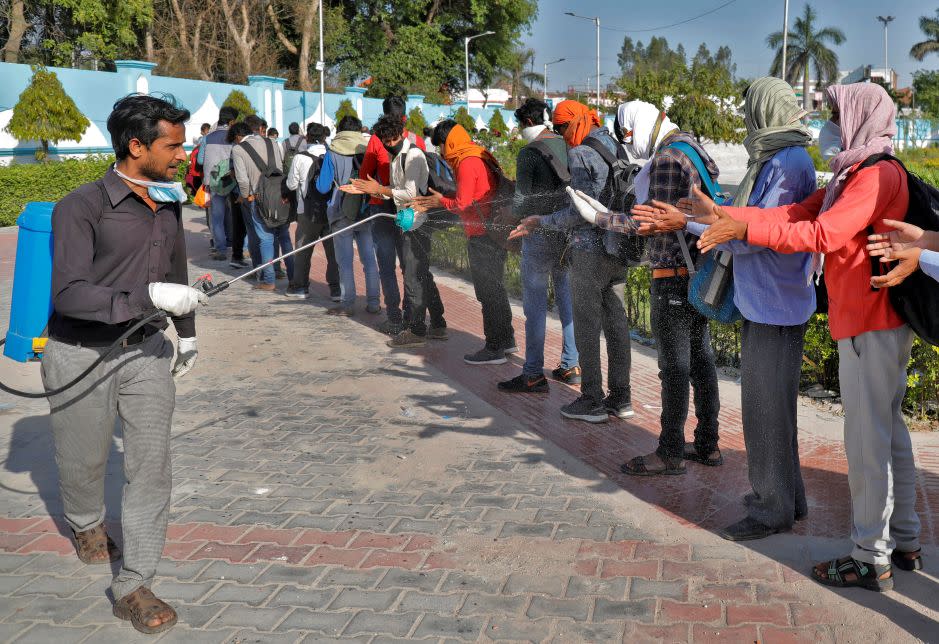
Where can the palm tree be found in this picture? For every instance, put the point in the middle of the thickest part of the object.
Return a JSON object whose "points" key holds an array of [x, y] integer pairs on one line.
{"points": [[930, 27], [807, 47], [520, 75]]}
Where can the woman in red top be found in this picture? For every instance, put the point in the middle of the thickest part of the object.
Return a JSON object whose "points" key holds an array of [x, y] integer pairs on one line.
{"points": [[476, 184], [873, 341]]}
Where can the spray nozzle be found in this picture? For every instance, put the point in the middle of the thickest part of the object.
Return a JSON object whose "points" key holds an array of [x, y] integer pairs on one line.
{"points": [[408, 219]]}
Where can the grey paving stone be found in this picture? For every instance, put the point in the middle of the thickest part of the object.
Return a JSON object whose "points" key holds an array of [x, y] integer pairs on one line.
{"points": [[397, 578], [10, 631], [319, 639], [360, 509], [394, 624], [483, 529], [365, 523], [638, 611], [547, 503], [10, 562], [346, 577], [527, 489], [181, 633], [526, 530], [56, 565], [468, 582], [421, 526], [169, 589], [49, 585], [9, 583], [720, 551], [519, 583], [295, 575], [461, 628], [306, 597], [479, 604], [304, 619], [270, 519], [614, 588], [644, 588], [196, 616], [592, 533], [224, 571], [356, 598], [516, 630], [576, 609], [625, 532], [499, 514], [246, 636], [240, 594], [410, 511], [315, 522], [425, 602], [489, 501], [304, 506], [241, 616], [11, 608], [45, 633], [568, 632], [182, 570]]}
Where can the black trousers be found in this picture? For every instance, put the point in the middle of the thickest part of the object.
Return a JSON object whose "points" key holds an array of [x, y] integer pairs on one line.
{"points": [[235, 229], [308, 230], [684, 343], [420, 290], [487, 267]]}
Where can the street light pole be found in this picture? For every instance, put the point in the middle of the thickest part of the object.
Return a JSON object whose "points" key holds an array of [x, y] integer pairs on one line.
{"points": [[886, 20], [785, 32], [321, 66], [559, 60], [466, 42], [596, 21]]}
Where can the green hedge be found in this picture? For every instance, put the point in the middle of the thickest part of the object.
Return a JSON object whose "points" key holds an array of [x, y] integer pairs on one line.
{"points": [[50, 181]]}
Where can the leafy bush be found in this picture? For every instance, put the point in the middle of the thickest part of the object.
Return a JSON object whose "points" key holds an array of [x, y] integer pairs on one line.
{"points": [[239, 100], [821, 165], [45, 113], [416, 121], [345, 109], [497, 124], [462, 116]]}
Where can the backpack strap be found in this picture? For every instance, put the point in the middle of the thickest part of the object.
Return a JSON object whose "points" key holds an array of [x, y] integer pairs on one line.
{"points": [[712, 187], [559, 167], [265, 169], [608, 157]]}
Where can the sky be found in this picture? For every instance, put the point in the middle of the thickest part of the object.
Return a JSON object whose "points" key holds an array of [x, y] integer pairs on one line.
{"points": [[743, 25]]}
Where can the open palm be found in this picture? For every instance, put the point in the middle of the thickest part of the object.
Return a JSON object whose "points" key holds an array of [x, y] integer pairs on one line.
{"points": [[886, 245]]}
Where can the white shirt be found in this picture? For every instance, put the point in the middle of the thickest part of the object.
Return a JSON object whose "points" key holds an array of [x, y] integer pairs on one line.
{"points": [[409, 174], [298, 176]]}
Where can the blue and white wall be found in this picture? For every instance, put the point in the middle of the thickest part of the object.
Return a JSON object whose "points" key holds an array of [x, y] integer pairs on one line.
{"points": [[96, 92]]}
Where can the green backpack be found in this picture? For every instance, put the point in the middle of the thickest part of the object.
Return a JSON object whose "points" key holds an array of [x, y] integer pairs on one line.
{"points": [[221, 178]]}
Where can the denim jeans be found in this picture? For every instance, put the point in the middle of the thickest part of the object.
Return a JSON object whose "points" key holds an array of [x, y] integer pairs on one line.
{"points": [[389, 247], [266, 237], [487, 268], [597, 282], [345, 255], [541, 258], [218, 208], [683, 340]]}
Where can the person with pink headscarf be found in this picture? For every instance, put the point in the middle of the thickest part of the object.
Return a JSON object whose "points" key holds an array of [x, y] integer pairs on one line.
{"points": [[873, 341]]}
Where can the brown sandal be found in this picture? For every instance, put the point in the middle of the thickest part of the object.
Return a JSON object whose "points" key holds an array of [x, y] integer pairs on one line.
{"points": [[140, 607], [93, 542]]}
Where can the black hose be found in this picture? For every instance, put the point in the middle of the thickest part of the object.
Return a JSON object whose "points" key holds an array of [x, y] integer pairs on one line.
{"points": [[35, 394]]}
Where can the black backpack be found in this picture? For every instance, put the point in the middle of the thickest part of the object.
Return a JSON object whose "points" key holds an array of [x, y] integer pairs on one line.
{"points": [[916, 299], [619, 196], [315, 202], [271, 190], [440, 175]]}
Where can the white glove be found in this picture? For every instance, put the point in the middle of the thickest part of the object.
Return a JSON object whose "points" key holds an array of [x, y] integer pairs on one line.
{"points": [[588, 207], [176, 299], [186, 355]]}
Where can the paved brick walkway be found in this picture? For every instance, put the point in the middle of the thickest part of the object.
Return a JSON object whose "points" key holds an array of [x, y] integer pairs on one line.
{"points": [[327, 488]]}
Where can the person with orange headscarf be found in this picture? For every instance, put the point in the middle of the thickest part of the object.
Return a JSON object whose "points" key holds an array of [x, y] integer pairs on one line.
{"points": [[597, 276], [476, 173]]}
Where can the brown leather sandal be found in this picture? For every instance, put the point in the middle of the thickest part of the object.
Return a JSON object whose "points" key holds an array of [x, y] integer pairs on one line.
{"points": [[90, 544], [140, 607]]}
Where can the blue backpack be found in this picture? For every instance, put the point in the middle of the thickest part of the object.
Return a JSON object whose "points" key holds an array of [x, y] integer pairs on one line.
{"points": [[711, 290]]}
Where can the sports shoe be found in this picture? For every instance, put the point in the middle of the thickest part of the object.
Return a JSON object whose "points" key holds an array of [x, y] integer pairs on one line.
{"points": [[279, 274], [239, 263], [390, 328], [297, 292], [407, 339], [486, 355], [218, 256], [374, 309], [264, 286], [510, 347], [335, 294], [437, 333], [344, 311], [525, 385], [584, 408], [618, 408], [570, 376]]}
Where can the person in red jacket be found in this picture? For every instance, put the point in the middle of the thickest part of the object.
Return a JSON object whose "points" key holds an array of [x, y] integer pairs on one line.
{"points": [[388, 237], [476, 184], [873, 341]]}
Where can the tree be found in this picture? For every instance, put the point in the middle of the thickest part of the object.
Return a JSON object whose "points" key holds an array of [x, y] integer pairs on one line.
{"points": [[296, 27], [930, 27], [44, 112], [519, 76], [658, 56], [345, 109], [240, 102], [462, 117], [416, 121], [497, 124], [926, 91], [806, 48]]}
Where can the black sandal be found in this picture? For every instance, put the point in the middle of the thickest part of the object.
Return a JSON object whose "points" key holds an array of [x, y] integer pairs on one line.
{"points": [[691, 454], [848, 572], [637, 467], [907, 560]]}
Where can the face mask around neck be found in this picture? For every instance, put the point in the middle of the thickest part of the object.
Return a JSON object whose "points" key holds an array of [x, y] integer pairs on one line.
{"points": [[532, 133], [159, 191], [829, 140]]}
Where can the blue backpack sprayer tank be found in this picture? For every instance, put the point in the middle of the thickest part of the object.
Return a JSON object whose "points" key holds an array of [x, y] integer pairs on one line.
{"points": [[32, 288]]}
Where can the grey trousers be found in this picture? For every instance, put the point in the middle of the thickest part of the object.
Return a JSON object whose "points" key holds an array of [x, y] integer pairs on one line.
{"points": [[881, 473], [597, 288], [770, 364], [135, 385]]}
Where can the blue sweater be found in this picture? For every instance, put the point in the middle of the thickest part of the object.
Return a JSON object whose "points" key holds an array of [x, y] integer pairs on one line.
{"points": [[929, 262], [770, 287]]}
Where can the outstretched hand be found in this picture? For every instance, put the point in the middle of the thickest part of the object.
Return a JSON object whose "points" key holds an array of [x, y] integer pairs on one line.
{"points": [[724, 229], [657, 217], [907, 263], [525, 227], [423, 203], [887, 245], [588, 207], [699, 206]]}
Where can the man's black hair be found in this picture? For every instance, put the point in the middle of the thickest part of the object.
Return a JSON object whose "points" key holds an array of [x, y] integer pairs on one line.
{"points": [[326, 132], [428, 131], [255, 123], [394, 105], [227, 114], [238, 129], [349, 123], [272, 131], [314, 133], [138, 117], [388, 126], [532, 110], [442, 131], [205, 126], [293, 128]]}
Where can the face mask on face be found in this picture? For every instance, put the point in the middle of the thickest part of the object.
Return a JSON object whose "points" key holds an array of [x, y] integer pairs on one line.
{"points": [[159, 191], [829, 140], [394, 149], [531, 133]]}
